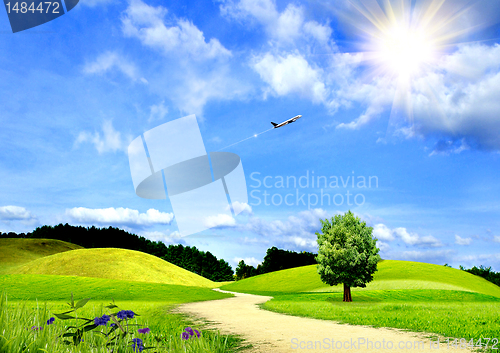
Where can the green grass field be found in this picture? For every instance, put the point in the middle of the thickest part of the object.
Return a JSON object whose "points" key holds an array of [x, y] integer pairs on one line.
{"points": [[437, 300], [40, 276], [408, 295], [165, 329], [391, 274]]}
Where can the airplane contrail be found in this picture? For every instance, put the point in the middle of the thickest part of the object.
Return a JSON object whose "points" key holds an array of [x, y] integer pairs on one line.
{"points": [[255, 135]]}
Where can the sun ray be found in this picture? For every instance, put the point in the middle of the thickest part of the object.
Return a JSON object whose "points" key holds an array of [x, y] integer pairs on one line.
{"points": [[404, 41]]}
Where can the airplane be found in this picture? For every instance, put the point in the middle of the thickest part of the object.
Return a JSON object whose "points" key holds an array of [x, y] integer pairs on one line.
{"points": [[291, 120]]}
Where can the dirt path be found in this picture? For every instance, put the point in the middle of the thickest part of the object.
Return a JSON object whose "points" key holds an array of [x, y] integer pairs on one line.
{"points": [[271, 332]]}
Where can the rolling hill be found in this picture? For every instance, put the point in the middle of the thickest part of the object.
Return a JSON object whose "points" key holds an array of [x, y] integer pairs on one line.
{"points": [[391, 274], [112, 263], [15, 252]]}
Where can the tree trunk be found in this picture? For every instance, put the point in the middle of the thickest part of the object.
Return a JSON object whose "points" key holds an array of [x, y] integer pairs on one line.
{"points": [[347, 293]]}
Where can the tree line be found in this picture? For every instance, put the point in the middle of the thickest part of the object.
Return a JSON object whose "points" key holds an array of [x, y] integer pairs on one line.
{"points": [[486, 273], [190, 258], [275, 260]]}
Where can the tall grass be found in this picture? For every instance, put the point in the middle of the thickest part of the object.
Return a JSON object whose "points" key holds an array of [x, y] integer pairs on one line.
{"points": [[18, 333]]}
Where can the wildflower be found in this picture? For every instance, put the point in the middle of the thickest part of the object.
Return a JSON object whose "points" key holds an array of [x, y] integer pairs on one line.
{"points": [[189, 330], [125, 314], [36, 328], [192, 332], [101, 321], [50, 321], [185, 335], [144, 330], [137, 345]]}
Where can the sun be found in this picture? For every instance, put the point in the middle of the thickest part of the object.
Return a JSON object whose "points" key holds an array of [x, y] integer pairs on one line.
{"points": [[404, 52], [402, 38], [402, 41]]}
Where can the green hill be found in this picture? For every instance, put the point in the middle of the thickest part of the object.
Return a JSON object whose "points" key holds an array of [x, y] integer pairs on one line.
{"points": [[391, 274], [111, 263], [15, 252]]}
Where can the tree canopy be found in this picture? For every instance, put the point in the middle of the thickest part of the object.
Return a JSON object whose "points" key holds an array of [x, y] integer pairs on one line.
{"points": [[347, 252]]}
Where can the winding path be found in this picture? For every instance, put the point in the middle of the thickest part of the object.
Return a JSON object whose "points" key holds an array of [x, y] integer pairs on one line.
{"points": [[270, 332]]}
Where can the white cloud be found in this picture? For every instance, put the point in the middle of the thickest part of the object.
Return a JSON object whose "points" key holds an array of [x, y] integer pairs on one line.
{"points": [[473, 61], [447, 147], [15, 213], [297, 232], [221, 220], [283, 28], [119, 216], [290, 74], [158, 111], [382, 232], [382, 246], [415, 239], [112, 60], [146, 23], [379, 94], [240, 207], [462, 241], [456, 101], [496, 238], [252, 261], [110, 140], [284, 64], [197, 85], [193, 70]]}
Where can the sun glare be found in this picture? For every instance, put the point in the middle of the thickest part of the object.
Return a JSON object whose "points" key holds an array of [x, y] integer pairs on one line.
{"points": [[404, 52], [404, 40], [403, 37]]}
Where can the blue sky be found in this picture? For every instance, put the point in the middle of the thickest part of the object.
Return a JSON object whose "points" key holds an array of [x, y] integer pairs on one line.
{"points": [[76, 91]]}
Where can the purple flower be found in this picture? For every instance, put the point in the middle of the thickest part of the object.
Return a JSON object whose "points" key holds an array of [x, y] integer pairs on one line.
{"points": [[197, 333], [36, 328], [125, 314], [137, 345], [50, 321], [185, 335], [101, 321], [189, 330], [144, 330]]}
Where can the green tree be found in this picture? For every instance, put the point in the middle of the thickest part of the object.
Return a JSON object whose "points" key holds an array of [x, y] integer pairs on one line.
{"points": [[245, 271], [347, 253]]}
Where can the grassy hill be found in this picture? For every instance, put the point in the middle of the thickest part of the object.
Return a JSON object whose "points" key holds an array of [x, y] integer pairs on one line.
{"points": [[59, 288], [111, 263], [391, 274], [15, 252]]}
